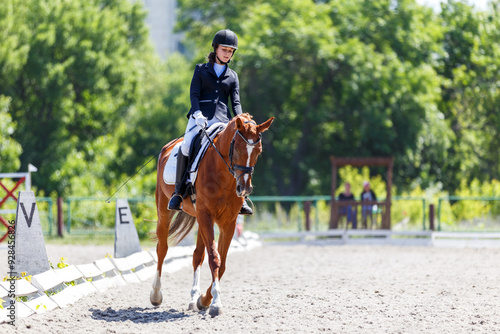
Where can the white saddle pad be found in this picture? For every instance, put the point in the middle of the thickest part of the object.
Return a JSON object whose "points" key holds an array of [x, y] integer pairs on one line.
{"points": [[169, 171], [171, 165]]}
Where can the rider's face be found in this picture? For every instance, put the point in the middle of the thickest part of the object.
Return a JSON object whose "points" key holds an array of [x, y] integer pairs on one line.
{"points": [[224, 53]]}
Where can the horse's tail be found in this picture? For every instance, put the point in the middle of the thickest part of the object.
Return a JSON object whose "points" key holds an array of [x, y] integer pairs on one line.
{"points": [[180, 227]]}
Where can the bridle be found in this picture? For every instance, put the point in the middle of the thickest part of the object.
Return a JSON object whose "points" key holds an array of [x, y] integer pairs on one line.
{"points": [[244, 169], [232, 167]]}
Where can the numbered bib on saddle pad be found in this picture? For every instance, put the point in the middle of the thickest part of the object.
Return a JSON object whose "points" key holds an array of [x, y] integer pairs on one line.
{"points": [[171, 165]]}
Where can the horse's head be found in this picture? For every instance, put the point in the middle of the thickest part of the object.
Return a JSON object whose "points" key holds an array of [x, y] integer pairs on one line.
{"points": [[246, 147]]}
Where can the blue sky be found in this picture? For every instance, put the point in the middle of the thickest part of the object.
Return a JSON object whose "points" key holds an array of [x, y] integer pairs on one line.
{"points": [[480, 4]]}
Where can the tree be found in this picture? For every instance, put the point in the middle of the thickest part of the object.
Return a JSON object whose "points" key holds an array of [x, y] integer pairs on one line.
{"points": [[10, 150], [158, 117], [471, 95], [12, 54], [338, 81], [75, 77]]}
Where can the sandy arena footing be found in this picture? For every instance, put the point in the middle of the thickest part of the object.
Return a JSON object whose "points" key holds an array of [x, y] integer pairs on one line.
{"points": [[310, 288]]}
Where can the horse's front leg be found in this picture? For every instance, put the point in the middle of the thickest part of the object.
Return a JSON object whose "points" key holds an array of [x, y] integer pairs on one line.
{"points": [[164, 218], [198, 257], [212, 296], [225, 237]]}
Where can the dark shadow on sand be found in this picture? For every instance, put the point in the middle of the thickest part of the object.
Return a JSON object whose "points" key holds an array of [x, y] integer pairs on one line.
{"points": [[138, 315]]}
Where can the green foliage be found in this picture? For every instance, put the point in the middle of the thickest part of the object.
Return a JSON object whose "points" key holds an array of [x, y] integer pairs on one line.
{"points": [[76, 80], [144, 218], [62, 263], [92, 215], [84, 98], [338, 81], [472, 209], [41, 305], [158, 117], [471, 93], [10, 150]]}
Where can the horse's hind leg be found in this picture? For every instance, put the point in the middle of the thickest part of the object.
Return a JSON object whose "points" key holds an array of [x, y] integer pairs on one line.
{"points": [[198, 257], [164, 218]]}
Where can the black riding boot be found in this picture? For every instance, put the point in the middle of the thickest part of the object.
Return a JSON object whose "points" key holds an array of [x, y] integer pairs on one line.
{"points": [[245, 209], [176, 200]]}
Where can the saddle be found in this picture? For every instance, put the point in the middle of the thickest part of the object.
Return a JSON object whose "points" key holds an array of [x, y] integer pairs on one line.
{"points": [[199, 146]]}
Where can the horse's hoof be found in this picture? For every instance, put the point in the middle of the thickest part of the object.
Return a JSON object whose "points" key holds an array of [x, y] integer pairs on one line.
{"points": [[192, 306], [156, 300], [215, 311], [199, 305]]}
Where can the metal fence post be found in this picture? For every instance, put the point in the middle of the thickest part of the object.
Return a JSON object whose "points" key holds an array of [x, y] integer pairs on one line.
{"points": [[60, 217], [439, 214], [316, 217], [50, 216], [423, 212], [307, 213], [431, 217], [68, 224], [299, 220]]}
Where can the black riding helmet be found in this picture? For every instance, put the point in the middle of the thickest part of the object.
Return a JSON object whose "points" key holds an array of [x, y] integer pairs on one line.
{"points": [[225, 38]]}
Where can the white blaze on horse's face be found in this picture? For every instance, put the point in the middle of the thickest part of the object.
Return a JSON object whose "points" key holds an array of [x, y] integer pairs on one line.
{"points": [[249, 152], [247, 148]]}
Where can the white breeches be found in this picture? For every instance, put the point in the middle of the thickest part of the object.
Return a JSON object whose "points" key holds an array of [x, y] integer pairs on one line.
{"points": [[189, 135]]}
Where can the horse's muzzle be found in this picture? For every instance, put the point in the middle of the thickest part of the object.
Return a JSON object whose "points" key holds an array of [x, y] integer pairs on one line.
{"points": [[244, 190]]}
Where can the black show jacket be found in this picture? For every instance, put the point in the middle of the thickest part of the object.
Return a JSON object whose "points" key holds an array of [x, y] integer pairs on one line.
{"points": [[210, 93]]}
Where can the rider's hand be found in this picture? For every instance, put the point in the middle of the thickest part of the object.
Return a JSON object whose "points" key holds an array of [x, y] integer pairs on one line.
{"points": [[200, 119]]}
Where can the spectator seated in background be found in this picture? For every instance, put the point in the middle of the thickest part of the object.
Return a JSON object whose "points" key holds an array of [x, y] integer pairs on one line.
{"points": [[349, 211], [366, 210]]}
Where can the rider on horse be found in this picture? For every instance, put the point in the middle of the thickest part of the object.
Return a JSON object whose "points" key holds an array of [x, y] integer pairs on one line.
{"points": [[212, 85]]}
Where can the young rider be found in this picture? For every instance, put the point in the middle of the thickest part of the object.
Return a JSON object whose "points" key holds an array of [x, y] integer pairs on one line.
{"points": [[212, 85]]}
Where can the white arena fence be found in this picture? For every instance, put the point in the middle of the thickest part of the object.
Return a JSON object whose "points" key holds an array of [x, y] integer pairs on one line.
{"points": [[387, 237], [58, 288]]}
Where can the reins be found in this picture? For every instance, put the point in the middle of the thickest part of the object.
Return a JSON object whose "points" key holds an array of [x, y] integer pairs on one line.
{"points": [[216, 150], [154, 156], [232, 168]]}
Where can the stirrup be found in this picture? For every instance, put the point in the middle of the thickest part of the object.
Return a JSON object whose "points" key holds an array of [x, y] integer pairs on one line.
{"points": [[175, 203], [246, 210]]}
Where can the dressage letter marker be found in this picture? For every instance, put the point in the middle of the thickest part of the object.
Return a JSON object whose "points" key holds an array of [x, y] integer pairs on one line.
{"points": [[123, 214], [31, 255], [126, 238], [30, 218]]}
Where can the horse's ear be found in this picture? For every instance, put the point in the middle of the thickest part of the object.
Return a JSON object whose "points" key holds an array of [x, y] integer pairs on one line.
{"points": [[264, 126], [239, 124]]}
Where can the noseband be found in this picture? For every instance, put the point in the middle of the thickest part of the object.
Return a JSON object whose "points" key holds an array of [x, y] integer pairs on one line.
{"points": [[233, 167]]}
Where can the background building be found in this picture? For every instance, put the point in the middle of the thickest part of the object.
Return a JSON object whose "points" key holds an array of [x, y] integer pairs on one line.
{"points": [[161, 21]]}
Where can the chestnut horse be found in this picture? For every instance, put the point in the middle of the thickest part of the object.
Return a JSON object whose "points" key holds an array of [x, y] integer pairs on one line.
{"points": [[221, 185]]}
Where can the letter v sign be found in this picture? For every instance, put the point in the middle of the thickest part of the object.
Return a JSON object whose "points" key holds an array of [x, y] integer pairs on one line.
{"points": [[30, 218]]}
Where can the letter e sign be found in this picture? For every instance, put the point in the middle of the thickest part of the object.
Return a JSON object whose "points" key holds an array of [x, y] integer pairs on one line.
{"points": [[123, 214]]}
